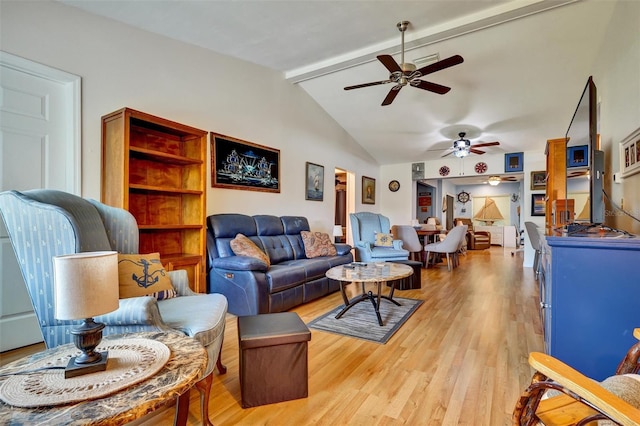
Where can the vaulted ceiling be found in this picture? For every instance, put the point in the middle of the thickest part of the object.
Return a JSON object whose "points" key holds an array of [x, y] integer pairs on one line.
{"points": [[525, 61]]}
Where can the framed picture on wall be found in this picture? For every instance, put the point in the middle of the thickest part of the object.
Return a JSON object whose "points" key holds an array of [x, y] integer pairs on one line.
{"points": [[513, 162], [314, 182], [577, 156], [537, 205], [538, 180], [630, 154], [238, 164], [368, 190]]}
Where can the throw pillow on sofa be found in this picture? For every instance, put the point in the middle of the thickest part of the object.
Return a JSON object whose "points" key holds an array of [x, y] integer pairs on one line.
{"points": [[143, 275], [243, 246], [317, 244], [383, 240]]}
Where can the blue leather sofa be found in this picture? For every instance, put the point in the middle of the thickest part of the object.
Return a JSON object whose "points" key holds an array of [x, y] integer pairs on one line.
{"points": [[250, 287]]}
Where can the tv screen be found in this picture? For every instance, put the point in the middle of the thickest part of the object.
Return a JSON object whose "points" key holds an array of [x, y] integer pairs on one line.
{"points": [[583, 132]]}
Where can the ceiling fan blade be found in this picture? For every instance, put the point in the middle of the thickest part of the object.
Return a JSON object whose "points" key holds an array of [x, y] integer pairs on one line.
{"points": [[479, 145], [359, 86], [476, 151], [391, 95], [432, 87], [440, 65], [389, 63]]}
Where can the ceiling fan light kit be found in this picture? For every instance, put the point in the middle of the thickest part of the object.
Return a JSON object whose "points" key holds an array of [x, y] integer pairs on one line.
{"points": [[494, 180], [462, 147], [404, 73]]}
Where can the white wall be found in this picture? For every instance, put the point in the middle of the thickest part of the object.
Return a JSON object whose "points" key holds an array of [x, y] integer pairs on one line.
{"points": [[122, 66], [616, 75]]}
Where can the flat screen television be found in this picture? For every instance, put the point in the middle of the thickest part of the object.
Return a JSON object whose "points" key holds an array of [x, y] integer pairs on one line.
{"points": [[582, 138]]}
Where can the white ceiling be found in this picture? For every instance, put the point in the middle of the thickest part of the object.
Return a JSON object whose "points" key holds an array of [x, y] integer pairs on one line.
{"points": [[526, 62]]}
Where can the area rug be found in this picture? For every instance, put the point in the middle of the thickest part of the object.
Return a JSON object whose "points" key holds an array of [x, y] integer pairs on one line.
{"points": [[361, 322]]}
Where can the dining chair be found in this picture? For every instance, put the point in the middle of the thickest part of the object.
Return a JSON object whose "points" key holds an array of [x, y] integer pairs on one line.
{"points": [[410, 240], [448, 247]]}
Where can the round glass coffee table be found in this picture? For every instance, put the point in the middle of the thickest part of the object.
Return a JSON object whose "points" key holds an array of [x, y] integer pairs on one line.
{"points": [[363, 273]]}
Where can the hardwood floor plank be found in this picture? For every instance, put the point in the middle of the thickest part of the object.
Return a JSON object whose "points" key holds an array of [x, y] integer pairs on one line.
{"points": [[460, 359]]}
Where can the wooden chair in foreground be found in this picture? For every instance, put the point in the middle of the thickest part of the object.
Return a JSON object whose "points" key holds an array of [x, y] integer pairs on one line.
{"points": [[580, 400]]}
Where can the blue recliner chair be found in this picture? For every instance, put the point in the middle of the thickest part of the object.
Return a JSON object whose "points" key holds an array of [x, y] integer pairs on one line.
{"points": [[364, 226], [44, 223]]}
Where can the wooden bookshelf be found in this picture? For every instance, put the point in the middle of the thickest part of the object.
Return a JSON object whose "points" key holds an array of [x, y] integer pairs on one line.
{"points": [[155, 168], [556, 189]]}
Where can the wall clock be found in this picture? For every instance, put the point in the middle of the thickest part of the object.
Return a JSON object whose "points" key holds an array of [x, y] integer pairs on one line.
{"points": [[463, 197], [394, 185], [480, 167], [444, 171]]}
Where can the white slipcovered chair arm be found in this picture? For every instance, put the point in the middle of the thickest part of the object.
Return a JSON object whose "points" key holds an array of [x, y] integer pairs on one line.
{"points": [[180, 281], [134, 311]]}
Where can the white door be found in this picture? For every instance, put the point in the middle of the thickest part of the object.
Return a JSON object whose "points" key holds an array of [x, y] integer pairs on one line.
{"points": [[39, 148]]}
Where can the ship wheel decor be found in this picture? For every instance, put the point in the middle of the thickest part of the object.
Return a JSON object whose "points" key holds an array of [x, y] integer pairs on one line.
{"points": [[481, 167], [463, 197]]}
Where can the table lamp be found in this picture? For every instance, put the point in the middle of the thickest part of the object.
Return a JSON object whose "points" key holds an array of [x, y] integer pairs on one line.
{"points": [[337, 233], [86, 285]]}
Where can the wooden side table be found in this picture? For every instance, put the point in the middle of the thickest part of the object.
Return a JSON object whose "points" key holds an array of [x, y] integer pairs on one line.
{"points": [[184, 368]]}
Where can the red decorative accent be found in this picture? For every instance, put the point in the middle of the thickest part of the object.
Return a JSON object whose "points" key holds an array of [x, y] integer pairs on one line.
{"points": [[481, 167], [444, 171]]}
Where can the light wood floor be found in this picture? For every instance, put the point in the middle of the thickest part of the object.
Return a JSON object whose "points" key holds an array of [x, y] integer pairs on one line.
{"points": [[461, 359]]}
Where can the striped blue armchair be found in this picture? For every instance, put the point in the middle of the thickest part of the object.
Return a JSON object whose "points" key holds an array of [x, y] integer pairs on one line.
{"points": [[45, 223], [365, 226]]}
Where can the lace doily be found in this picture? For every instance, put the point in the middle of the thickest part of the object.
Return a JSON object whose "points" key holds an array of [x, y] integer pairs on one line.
{"points": [[130, 361]]}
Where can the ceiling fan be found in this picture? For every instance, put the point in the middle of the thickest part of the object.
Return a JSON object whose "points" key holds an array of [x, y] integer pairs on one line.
{"points": [[406, 73], [462, 147], [495, 180]]}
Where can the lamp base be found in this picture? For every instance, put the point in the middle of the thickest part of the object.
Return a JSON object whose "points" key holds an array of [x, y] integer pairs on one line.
{"points": [[74, 370]]}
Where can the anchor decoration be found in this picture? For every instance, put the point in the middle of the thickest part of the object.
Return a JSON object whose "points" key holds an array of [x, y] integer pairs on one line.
{"points": [[147, 279]]}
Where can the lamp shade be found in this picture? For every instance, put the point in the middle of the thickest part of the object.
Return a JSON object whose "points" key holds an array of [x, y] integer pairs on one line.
{"points": [[86, 284], [337, 231]]}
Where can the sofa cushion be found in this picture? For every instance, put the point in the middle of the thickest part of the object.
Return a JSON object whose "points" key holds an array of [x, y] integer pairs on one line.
{"points": [[317, 244], [317, 267], [277, 247], [282, 276], [143, 275], [383, 240], [243, 246]]}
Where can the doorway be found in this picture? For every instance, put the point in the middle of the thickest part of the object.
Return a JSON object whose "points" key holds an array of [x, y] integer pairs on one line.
{"points": [[40, 125], [344, 203]]}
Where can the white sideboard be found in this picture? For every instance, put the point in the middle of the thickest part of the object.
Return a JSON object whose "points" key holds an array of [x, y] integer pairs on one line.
{"points": [[500, 235]]}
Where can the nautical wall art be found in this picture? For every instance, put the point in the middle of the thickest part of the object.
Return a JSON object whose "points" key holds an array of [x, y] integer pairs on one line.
{"points": [[238, 164]]}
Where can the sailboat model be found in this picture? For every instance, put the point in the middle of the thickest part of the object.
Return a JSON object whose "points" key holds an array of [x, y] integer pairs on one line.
{"points": [[489, 213]]}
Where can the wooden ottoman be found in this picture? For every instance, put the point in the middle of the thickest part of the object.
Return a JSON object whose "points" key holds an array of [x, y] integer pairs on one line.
{"points": [[413, 281], [273, 358]]}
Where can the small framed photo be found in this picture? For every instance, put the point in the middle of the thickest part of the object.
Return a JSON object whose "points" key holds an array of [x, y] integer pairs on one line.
{"points": [[513, 162], [538, 180], [630, 154], [368, 190], [537, 205], [578, 156], [314, 182]]}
